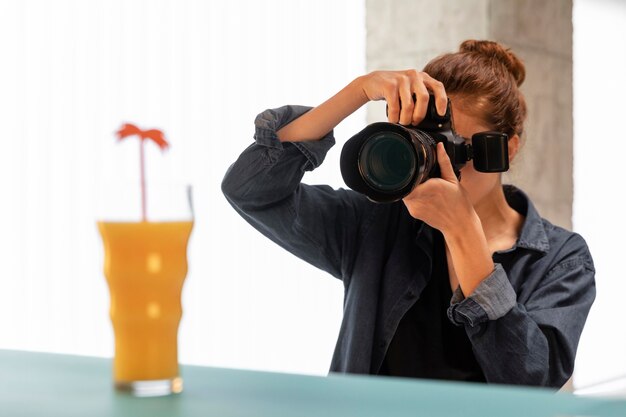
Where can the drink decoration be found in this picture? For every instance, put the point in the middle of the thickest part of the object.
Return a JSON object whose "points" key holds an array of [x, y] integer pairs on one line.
{"points": [[158, 138]]}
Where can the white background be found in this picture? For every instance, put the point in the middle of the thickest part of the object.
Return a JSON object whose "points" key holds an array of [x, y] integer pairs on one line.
{"points": [[73, 71], [599, 165]]}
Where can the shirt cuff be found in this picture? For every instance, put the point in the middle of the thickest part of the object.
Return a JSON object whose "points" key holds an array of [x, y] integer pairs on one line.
{"points": [[270, 121], [492, 299]]}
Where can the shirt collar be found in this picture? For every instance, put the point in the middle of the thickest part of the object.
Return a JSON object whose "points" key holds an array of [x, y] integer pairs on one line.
{"points": [[533, 235]]}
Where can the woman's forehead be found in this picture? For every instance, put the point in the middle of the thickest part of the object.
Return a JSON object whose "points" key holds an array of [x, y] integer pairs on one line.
{"points": [[465, 123]]}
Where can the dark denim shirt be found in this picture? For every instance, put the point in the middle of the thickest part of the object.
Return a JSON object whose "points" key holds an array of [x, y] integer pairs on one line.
{"points": [[524, 320]]}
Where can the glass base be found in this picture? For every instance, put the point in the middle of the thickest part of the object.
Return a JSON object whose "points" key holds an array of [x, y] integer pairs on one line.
{"points": [[151, 388]]}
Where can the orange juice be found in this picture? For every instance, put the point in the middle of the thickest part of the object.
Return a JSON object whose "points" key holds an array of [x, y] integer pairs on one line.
{"points": [[145, 264]]}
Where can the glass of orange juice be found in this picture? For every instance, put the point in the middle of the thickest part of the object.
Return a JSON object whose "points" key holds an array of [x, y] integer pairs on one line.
{"points": [[145, 265]]}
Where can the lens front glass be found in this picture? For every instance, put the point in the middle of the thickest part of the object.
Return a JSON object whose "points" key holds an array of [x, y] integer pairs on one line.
{"points": [[387, 161]]}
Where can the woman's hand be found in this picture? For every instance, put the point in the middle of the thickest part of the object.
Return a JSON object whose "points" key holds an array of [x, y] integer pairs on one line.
{"points": [[397, 88], [442, 203]]}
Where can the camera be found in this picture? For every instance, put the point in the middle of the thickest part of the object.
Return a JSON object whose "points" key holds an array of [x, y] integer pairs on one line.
{"points": [[385, 161]]}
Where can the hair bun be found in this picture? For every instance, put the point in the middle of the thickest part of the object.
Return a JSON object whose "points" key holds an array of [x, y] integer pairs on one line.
{"points": [[496, 51]]}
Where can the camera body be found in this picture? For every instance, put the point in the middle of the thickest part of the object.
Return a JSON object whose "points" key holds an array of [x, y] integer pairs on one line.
{"points": [[385, 161]]}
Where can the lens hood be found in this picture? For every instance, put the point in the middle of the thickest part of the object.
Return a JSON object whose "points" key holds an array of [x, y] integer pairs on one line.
{"points": [[353, 173]]}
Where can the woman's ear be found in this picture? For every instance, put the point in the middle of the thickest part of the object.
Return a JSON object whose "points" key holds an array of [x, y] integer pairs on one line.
{"points": [[514, 144]]}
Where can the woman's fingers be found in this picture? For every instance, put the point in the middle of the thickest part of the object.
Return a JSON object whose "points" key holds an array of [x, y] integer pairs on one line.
{"points": [[437, 88], [406, 93], [445, 166], [393, 105], [422, 85], [406, 101], [429, 189], [421, 102]]}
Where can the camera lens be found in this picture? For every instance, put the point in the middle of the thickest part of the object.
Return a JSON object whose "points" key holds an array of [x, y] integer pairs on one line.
{"points": [[387, 161]]}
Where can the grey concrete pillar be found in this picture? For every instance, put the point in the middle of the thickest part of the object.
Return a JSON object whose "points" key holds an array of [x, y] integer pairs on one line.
{"points": [[405, 34]]}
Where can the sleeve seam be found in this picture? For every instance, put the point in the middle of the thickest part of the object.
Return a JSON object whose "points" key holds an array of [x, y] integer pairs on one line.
{"points": [[570, 263], [307, 154]]}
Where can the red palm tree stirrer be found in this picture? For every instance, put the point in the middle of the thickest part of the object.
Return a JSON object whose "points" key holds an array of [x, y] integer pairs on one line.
{"points": [[157, 136]]}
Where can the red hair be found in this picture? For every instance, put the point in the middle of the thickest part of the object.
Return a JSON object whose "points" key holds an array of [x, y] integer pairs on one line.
{"points": [[485, 78]]}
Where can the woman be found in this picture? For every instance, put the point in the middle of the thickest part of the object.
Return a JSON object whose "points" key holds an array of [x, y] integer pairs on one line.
{"points": [[461, 280]]}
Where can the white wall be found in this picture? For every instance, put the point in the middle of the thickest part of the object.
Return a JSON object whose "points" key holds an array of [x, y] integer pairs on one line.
{"points": [[71, 73], [599, 91]]}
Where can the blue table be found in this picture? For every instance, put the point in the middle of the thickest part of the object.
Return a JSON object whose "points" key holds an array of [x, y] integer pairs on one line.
{"points": [[43, 384]]}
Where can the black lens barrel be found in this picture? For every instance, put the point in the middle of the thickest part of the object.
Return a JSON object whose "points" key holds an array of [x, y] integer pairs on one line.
{"points": [[385, 160]]}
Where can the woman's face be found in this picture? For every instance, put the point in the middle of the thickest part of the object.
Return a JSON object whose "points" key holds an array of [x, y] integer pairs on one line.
{"points": [[477, 184]]}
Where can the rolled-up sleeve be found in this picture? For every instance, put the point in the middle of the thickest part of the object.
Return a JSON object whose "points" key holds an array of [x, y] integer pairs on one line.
{"points": [[535, 342], [270, 121], [492, 299]]}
